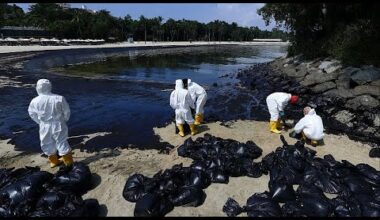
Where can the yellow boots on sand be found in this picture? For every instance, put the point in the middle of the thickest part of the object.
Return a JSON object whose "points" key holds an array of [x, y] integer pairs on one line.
{"points": [[198, 119], [182, 131], [274, 126], [66, 159]]}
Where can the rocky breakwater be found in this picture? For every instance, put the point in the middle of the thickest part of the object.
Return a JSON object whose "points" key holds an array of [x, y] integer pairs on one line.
{"points": [[347, 98]]}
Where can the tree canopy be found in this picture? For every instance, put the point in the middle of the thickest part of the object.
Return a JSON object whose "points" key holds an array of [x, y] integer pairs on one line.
{"points": [[347, 31], [81, 23]]}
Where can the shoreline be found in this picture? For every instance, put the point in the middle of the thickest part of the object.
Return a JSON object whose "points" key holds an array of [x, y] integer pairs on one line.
{"points": [[34, 48], [112, 167]]}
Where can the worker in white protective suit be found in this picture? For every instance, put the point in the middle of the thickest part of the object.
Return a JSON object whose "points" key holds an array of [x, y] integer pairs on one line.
{"points": [[51, 112], [199, 95], [277, 102], [310, 126], [181, 101]]}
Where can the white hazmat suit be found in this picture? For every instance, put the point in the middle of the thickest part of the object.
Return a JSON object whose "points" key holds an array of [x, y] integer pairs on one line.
{"points": [[311, 125], [276, 102], [181, 101], [199, 94], [51, 112]]}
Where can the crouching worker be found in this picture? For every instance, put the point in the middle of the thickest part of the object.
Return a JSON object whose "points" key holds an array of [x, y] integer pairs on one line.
{"points": [[310, 126], [51, 112], [199, 95], [276, 103], [181, 102]]}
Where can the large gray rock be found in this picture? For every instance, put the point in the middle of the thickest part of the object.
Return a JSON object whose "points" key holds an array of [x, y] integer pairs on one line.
{"points": [[323, 87], [330, 66], [342, 93], [317, 78], [343, 81], [345, 117], [297, 72], [365, 75], [375, 83], [376, 121], [367, 89], [364, 101]]}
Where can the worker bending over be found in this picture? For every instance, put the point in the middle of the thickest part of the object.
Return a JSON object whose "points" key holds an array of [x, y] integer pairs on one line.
{"points": [[181, 101], [276, 102], [51, 112], [199, 96], [310, 126]]}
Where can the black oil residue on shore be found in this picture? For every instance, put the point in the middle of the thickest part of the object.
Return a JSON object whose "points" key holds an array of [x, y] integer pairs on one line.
{"points": [[125, 92]]}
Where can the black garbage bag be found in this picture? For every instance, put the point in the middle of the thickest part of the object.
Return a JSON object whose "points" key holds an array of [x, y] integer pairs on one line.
{"points": [[292, 209], [357, 184], [20, 196], [235, 168], [51, 200], [374, 152], [65, 204], [261, 205], [369, 205], [327, 183], [152, 205], [198, 178], [371, 175], [75, 179], [5, 176], [346, 207], [188, 196], [199, 165], [186, 148], [313, 202], [218, 176], [134, 188], [282, 192], [232, 208], [253, 170]]}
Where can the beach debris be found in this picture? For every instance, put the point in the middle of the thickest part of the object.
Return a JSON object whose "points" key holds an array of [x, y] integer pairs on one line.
{"points": [[356, 186], [34, 193], [215, 160]]}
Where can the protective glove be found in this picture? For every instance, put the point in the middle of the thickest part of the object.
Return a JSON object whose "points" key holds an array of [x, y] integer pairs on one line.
{"points": [[282, 114]]}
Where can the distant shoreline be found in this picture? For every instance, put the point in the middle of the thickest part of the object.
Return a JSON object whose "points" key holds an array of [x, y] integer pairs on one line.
{"points": [[35, 48]]}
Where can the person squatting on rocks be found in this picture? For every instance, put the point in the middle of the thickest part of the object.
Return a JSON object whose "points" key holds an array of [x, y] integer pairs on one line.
{"points": [[276, 102], [199, 96], [181, 102], [310, 126], [51, 112]]}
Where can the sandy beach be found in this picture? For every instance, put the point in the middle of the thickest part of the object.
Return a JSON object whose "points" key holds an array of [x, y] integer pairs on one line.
{"points": [[33, 48], [111, 168]]}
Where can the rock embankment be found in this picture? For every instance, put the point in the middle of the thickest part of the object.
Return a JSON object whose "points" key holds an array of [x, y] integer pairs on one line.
{"points": [[347, 98]]}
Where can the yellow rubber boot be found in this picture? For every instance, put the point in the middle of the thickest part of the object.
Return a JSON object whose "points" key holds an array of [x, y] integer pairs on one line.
{"points": [[273, 127], [198, 119], [68, 159], [181, 130], [192, 129], [314, 143], [279, 124], [53, 159]]}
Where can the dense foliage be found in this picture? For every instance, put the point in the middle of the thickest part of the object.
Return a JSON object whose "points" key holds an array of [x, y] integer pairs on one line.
{"points": [[349, 32], [80, 23]]}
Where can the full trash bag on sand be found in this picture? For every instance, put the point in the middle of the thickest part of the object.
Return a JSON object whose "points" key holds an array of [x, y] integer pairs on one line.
{"points": [[152, 205], [76, 179], [215, 160], [31, 192], [357, 186]]}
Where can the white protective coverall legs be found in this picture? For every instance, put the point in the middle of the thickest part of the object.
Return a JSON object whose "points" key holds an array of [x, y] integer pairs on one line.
{"points": [[51, 112], [181, 101]]}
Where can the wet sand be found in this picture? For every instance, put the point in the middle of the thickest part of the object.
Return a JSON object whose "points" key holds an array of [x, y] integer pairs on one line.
{"points": [[112, 167], [29, 48]]}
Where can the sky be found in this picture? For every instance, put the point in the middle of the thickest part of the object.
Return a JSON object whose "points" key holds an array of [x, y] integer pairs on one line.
{"points": [[244, 14]]}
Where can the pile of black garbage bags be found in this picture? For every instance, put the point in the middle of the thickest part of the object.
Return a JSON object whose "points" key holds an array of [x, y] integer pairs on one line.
{"points": [[34, 193], [215, 160], [355, 188]]}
